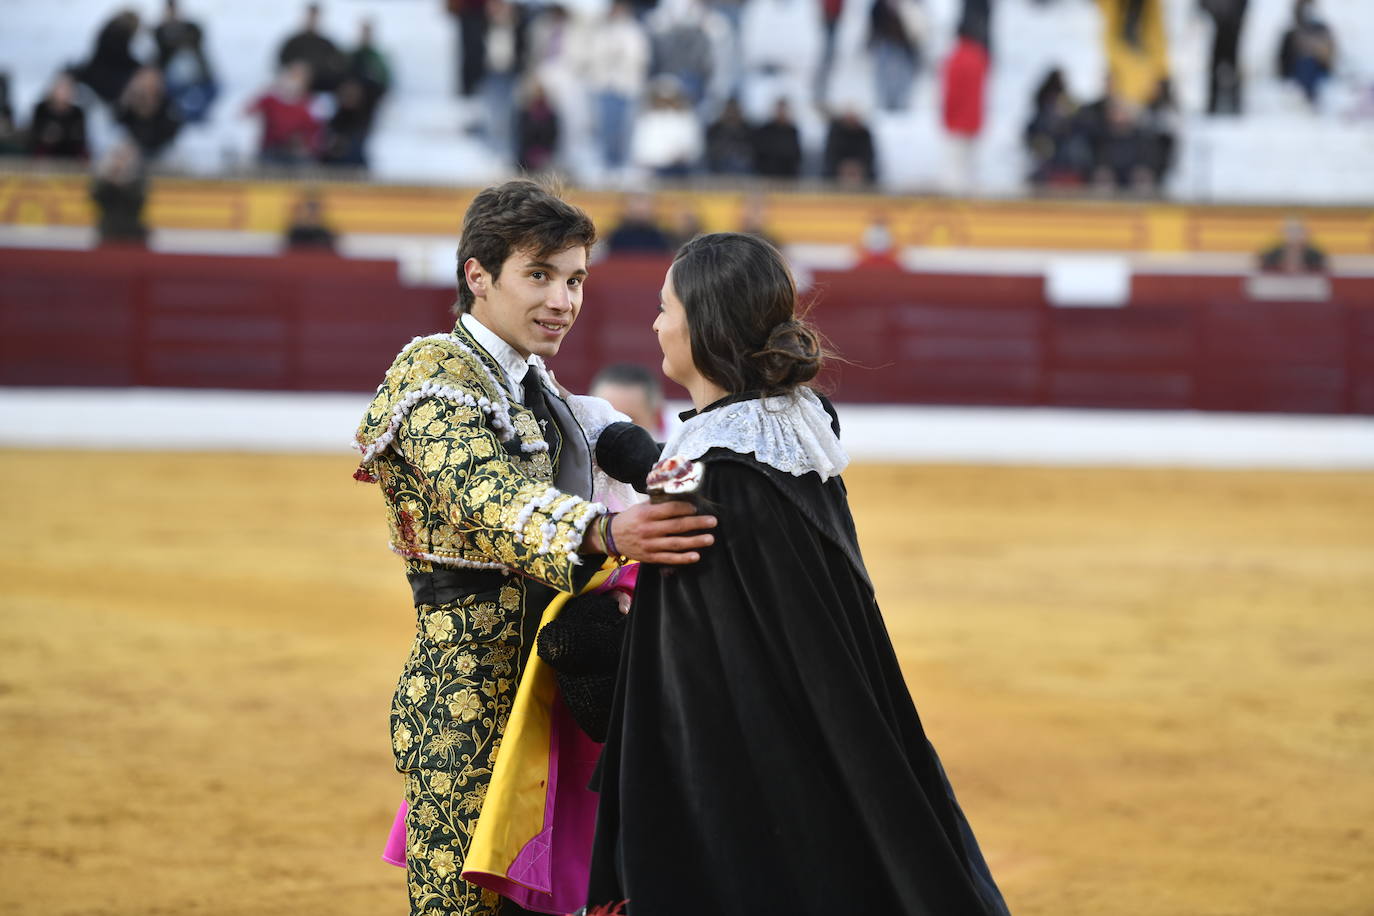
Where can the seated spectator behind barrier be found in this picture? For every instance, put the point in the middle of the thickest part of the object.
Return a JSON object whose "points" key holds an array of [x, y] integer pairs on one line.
{"points": [[147, 113], [754, 219], [327, 63], [849, 157], [1295, 254], [185, 68], [308, 230], [112, 65], [638, 231], [635, 391], [686, 226], [58, 126], [290, 130], [119, 192], [667, 138], [1307, 50], [1060, 152], [777, 144], [877, 247], [536, 130], [730, 142]]}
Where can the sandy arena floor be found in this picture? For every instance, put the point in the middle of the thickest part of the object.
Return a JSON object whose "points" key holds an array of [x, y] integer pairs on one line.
{"points": [[1154, 690]]}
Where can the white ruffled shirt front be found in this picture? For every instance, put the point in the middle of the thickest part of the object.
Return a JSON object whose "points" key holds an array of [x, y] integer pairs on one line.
{"points": [[788, 432]]}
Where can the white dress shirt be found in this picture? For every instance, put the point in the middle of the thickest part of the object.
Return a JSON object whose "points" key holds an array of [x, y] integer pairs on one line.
{"points": [[513, 365]]}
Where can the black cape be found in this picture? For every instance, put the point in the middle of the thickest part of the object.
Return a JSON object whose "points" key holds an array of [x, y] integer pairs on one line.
{"points": [[764, 754]]}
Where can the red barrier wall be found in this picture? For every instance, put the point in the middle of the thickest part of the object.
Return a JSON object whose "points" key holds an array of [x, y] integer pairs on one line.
{"points": [[317, 322]]}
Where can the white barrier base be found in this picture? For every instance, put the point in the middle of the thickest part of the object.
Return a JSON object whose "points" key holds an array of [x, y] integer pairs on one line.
{"points": [[174, 419]]}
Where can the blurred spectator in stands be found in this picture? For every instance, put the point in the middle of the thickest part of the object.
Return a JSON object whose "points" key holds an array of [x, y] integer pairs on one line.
{"points": [[1295, 254], [307, 230], [754, 219], [877, 247], [667, 137], [504, 53], [694, 44], [635, 391], [290, 130], [781, 45], [1307, 50], [1131, 12], [1125, 152], [730, 142], [185, 68], [536, 130], [327, 63], [1160, 120], [686, 226], [147, 113], [557, 46], [830, 25], [11, 137], [1224, 84], [777, 144], [344, 140], [965, 76], [895, 35], [849, 156], [119, 192], [112, 64], [1092, 123], [58, 126], [472, 43], [368, 67], [638, 230], [1059, 153], [616, 71]]}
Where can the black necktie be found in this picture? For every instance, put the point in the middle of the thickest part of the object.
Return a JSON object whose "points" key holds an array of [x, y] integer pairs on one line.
{"points": [[537, 405]]}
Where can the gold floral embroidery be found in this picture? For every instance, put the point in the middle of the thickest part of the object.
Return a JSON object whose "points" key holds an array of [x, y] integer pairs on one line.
{"points": [[464, 706], [439, 627], [415, 688], [441, 860]]}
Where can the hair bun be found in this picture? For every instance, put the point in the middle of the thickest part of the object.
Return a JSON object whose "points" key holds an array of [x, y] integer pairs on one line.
{"points": [[791, 357]]}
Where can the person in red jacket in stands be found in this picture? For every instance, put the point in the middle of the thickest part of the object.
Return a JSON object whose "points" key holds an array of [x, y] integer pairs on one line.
{"points": [[964, 77], [290, 130]]}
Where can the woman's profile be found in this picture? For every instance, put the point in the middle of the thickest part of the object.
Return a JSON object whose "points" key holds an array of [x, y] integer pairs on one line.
{"points": [[764, 755]]}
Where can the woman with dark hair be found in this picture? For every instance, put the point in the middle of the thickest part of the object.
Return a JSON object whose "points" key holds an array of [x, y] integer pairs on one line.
{"points": [[764, 755]]}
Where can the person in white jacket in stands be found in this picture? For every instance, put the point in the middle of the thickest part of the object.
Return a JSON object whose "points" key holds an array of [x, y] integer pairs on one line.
{"points": [[668, 137], [616, 69]]}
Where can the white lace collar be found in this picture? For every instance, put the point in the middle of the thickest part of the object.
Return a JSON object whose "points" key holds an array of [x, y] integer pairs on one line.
{"points": [[789, 432]]}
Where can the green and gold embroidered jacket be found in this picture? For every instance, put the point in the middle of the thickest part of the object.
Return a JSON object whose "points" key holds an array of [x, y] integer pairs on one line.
{"points": [[466, 478], [465, 471]]}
